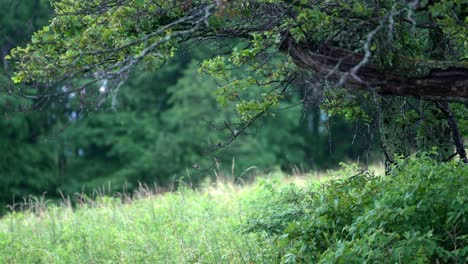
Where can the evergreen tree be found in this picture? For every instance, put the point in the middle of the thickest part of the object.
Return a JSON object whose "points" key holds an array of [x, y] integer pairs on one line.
{"points": [[27, 162]]}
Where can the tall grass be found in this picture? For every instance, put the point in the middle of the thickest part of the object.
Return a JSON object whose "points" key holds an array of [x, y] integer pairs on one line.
{"points": [[186, 226]]}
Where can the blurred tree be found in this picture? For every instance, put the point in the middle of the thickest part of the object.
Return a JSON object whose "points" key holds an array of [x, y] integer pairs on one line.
{"points": [[161, 123], [27, 162], [19, 19]]}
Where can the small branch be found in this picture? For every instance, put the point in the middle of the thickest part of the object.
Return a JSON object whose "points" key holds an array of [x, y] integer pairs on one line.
{"points": [[460, 146], [451, 157], [387, 156]]}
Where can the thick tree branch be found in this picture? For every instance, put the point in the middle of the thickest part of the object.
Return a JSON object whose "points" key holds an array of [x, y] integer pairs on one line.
{"points": [[442, 84]]}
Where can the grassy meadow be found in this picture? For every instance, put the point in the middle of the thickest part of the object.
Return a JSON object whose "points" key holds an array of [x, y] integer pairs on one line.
{"points": [[415, 215], [186, 226]]}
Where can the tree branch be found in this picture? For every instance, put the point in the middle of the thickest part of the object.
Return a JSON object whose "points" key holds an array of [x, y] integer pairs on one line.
{"points": [[460, 146], [440, 84]]}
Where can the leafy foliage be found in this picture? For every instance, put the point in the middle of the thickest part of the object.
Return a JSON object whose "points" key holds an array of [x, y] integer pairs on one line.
{"points": [[416, 215], [387, 47], [104, 41]]}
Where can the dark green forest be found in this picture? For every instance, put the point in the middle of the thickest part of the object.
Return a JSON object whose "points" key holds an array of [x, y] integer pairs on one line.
{"points": [[154, 129]]}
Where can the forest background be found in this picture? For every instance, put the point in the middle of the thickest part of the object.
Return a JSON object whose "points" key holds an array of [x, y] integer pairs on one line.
{"points": [[158, 128]]}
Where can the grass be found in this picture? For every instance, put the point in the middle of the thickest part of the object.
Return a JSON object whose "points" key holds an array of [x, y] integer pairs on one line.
{"points": [[187, 226]]}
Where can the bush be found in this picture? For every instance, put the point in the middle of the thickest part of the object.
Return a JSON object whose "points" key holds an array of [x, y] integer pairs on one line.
{"points": [[416, 215]]}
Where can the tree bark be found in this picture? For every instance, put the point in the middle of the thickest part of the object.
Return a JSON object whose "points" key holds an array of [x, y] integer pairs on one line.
{"points": [[445, 84]]}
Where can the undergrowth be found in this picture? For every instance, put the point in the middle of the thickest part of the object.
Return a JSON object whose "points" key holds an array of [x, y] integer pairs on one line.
{"points": [[415, 215]]}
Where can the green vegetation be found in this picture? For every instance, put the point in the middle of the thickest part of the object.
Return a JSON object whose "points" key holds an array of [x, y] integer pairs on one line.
{"points": [[153, 129], [416, 216], [130, 93]]}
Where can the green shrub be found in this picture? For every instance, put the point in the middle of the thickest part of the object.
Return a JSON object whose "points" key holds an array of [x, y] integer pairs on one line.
{"points": [[415, 215]]}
